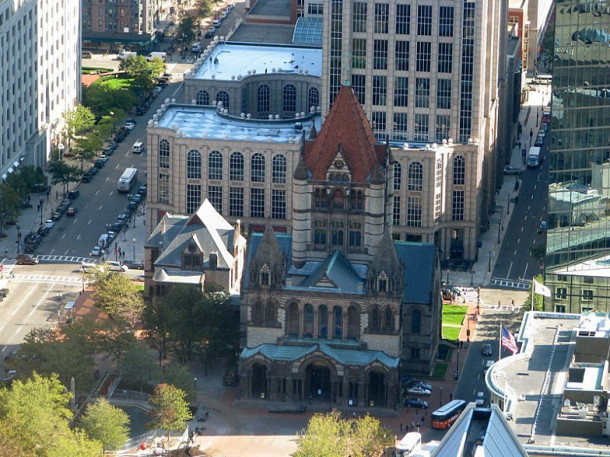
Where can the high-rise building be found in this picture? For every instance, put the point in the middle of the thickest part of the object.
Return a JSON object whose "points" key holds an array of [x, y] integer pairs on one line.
{"points": [[40, 69], [425, 73], [578, 237]]}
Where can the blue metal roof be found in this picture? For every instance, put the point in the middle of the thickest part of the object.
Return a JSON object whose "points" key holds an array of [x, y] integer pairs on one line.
{"points": [[418, 261], [339, 271]]}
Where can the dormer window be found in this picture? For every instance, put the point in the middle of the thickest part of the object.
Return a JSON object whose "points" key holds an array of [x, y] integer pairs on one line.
{"points": [[338, 199], [382, 282], [264, 276], [192, 257]]}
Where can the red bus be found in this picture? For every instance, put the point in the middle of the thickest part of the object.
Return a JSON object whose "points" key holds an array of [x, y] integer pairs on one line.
{"points": [[446, 415]]}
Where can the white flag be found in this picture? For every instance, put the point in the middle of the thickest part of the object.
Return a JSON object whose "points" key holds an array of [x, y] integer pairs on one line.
{"points": [[541, 289]]}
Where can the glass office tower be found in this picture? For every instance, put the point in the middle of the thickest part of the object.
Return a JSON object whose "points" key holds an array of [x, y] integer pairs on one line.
{"points": [[578, 238]]}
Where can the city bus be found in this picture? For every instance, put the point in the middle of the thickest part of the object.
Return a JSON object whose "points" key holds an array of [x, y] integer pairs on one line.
{"points": [[446, 415], [127, 180]]}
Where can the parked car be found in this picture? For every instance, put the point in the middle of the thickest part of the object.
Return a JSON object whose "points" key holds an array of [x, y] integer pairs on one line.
{"points": [[508, 170], [133, 264], [542, 227], [115, 266], [99, 163], [419, 391], [111, 235], [73, 194], [130, 124], [142, 190], [56, 215], [96, 251], [539, 142], [71, 211], [86, 178], [122, 217], [421, 384], [487, 350], [49, 223], [210, 32], [93, 170], [26, 259], [416, 403]]}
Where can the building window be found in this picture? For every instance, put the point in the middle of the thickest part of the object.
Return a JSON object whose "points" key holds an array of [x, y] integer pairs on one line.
{"points": [[423, 56], [397, 175], [445, 57], [560, 308], [401, 91], [400, 126], [401, 56], [319, 233], [424, 20], [445, 23], [193, 165], [375, 318], [313, 98], [338, 200], [236, 167], [459, 171], [308, 320], [379, 90], [396, 211], [380, 54], [355, 234], [215, 165], [381, 17], [587, 279], [236, 201], [561, 293], [338, 314], [215, 197], [257, 202], [379, 123], [202, 97], [164, 154], [290, 98], [421, 127], [193, 198], [244, 99], [257, 168], [359, 86], [163, 189], [443, 125], [422, 93], [438, 186], [413, 211], [443, 93], [322, 321], [359, 17], [415, 353], [223, 99], [262, 99], [315, 9], [279, 169], [337, 233], [587, 295], [416, 321], [403, 19], [356, 200], [359, 53], [457, 205], [278, 204], [415, 177]]}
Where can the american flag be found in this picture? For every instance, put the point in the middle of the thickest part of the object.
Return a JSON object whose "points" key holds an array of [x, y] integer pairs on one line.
{"points": [[508, 340]]}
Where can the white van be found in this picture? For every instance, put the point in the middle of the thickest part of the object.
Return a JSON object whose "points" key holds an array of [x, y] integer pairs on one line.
{"points": [[125, 54], [158, 55], [409, 444], [104, 241], [196, 47], [138, 147]]}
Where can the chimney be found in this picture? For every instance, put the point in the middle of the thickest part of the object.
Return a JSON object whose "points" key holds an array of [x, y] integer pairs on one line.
{"points": [[213, 260]]}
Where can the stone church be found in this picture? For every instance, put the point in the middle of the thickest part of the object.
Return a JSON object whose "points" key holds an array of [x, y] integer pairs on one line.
{"points": [[337, 311]]}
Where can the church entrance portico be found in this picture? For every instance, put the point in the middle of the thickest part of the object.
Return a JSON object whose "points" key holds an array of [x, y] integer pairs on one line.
{"points": [[317, 381], [259, 383]]}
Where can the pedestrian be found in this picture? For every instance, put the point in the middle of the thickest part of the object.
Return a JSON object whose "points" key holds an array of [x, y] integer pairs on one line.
{"points": [[412, 425], [450, 398], [1, 271], [401, 427], [418, 429], [38, 207], [422, 421], [12, 274], [512, 302]]}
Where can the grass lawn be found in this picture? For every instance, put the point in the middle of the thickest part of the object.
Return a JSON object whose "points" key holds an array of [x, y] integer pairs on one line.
{"points": [[115, 83], [90, 70], [454, 314], [451, 333], [439, 370]]}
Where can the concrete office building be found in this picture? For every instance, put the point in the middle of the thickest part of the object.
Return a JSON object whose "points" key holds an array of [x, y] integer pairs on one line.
{"points": [[40, 70], [426, 73], [578, 238]]}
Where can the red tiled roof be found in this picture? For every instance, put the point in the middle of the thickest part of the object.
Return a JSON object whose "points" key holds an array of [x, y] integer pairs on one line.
{"points": [[345, 125]]}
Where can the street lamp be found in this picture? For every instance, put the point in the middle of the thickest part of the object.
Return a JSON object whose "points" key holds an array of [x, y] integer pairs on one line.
{"points": [[471, 278], [489, 264], [508, 204], [195, 391], [41, 203], [134, 249], [441, 397], [18, 236]]}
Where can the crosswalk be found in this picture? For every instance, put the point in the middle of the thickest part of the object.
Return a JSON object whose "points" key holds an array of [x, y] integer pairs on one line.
{"points": [[63, 258], [510, 283], [47, 279]]}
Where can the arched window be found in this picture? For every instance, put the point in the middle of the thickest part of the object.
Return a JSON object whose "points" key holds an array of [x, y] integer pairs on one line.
{"points": [[357, 200], [338, 199], [416, 321], [215, 165], [313, 98], [262, 99], [416, 177], [353, 323], [270, 316], [236, 167], [257, 312], [257, 168], [320, 199], [164, 154], [279, 169], [193, 164], [308, 321], [375, 318], [338, 313], [382, 282], [290, 98], [293, 320], [397, 175], [202, 97], [389, 321], [223, 97], [459, 170], [323, 321]]}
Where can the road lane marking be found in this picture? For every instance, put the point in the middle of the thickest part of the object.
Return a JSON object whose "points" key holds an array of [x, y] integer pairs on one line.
{"points": [[90, 220], [100, 208], [510, 268], [525, 271], [78, 237], [96, 192], [44, 297], [111, 192], [63, 236], [521, 228], [52, 251], [107, 179], [74, 222], [24, 300], [518, 240]]}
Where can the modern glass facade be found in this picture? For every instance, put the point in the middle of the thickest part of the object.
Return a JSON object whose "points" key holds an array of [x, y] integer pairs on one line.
{"points": [[578, 238]]}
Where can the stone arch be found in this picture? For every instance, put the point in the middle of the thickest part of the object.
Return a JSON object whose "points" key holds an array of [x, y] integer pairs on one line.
{"points": [[318, 372], [377, 386]]}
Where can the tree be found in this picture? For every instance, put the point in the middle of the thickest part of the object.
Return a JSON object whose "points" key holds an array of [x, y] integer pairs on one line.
{"points": [[139, 366], [113, 339], [118, 296], [329, 435], [143, 72], [156, 317], [103, 100], [9, 205], [186, 29], [77, 122], [63, 173], [178, 375], [34, 416], [203, 8], [169, 410], [107, 424], [538, 299]]}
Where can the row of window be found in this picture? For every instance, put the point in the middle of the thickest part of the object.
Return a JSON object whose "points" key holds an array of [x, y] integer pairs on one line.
{"points": [[402, 20], [401, 91], [414, 209], [332, 233], [415, 174], [423, 61], [263, 99]]}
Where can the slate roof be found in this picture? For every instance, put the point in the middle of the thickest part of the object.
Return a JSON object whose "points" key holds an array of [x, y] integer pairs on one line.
{"points": [[343, 356], [345, 125], [284, 241], [418, 260], [338, 270], [206, 228]]}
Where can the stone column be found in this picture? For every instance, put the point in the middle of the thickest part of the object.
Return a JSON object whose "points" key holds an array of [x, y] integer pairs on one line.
{"points": [[301, 321], [316, 324], [343, 324]]}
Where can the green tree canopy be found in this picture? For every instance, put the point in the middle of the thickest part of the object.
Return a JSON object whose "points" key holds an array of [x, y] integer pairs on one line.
{"points": [[118, 295], [9, 204], [107, 424], [143, 72], [34, 417], [63, 173], [170, 409], [186, 30], [203, 8]]}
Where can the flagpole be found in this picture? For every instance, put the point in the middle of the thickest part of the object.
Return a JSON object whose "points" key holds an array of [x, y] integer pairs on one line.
{"points": [[533, 288], [500, 343]]}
